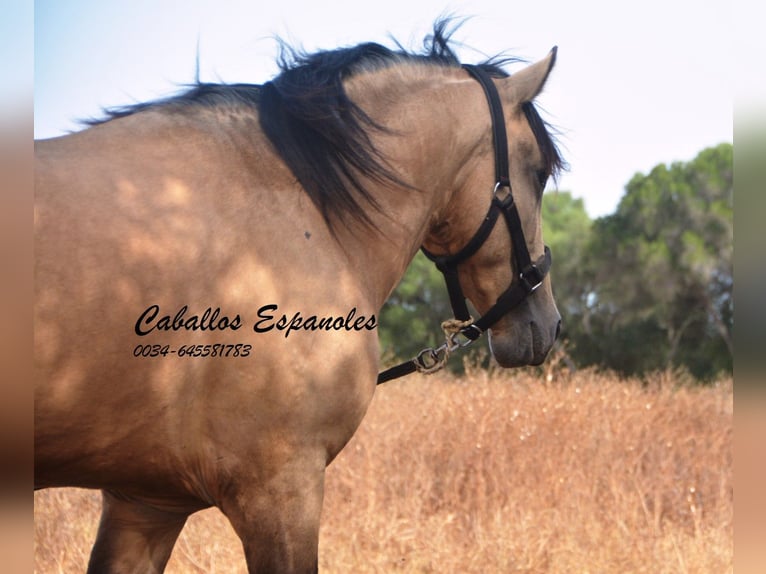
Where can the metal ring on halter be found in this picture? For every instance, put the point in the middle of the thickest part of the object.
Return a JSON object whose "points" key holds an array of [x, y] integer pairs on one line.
{"points": [[506, 201], [454, 344]]}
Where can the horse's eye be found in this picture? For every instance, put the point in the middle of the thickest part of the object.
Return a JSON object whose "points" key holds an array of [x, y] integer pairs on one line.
{"points": [[542, 177]]}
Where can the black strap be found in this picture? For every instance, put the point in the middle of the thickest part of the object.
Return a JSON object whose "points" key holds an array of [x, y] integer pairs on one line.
{"points": [[447, 264], [475, 243], [513, 222], [499, 137], [397, 371]]}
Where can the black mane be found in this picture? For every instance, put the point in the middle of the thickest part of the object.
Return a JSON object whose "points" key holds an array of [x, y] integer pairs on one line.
{"points": [[321, 134]]}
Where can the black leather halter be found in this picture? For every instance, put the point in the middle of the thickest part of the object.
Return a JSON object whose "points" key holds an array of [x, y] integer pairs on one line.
{"points": [[529, 274]]}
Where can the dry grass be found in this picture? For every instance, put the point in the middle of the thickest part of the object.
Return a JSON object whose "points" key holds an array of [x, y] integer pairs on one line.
{"points": [[495, 473]]}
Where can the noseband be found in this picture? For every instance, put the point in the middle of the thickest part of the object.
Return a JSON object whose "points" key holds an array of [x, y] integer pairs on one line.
{"points": [[530, 275]]}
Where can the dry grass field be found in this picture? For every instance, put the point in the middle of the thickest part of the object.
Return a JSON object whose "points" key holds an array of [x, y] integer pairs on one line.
{"points": [[495, 472]]}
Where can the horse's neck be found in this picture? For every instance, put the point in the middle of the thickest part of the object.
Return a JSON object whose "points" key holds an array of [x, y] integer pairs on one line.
{"points": [[430, 142]]}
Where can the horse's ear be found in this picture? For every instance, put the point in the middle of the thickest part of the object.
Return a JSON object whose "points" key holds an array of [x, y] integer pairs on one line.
{"points": [[525, 85]]}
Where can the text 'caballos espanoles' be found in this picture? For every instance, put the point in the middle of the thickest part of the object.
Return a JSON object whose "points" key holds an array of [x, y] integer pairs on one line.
{"points": [[268, 318]]}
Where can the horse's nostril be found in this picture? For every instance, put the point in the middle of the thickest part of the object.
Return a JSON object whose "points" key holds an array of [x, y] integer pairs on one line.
{"points": [[558, 330]]}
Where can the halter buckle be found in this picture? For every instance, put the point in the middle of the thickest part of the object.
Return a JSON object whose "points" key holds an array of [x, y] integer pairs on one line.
{"points": [[475, 333], [531, 278]]}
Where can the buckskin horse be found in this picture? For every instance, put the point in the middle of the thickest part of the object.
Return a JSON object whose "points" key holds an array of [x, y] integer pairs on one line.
{"points": [[209, 268]]}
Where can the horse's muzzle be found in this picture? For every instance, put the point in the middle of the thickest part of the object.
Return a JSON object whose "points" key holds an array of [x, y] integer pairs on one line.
{"points": [[524, 345]]}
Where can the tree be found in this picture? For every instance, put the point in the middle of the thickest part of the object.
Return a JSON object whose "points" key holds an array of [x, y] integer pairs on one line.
{"points": [[662, 268]]}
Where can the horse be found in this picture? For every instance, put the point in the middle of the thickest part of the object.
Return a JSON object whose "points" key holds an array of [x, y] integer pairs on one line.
{"points": [[209, 268]]}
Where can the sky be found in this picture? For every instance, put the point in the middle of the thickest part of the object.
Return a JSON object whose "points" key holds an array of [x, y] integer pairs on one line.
{"points": [[635, 84]]}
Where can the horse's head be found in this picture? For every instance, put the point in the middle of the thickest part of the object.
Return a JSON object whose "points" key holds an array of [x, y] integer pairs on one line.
{"points": [[515, 303]]}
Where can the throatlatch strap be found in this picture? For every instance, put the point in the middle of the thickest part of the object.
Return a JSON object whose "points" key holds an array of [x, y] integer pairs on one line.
{"points": [[455, 292]]}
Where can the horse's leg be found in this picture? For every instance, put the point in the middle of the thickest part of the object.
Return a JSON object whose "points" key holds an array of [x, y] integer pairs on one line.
{"points": [[278, 522], [133, 536]]}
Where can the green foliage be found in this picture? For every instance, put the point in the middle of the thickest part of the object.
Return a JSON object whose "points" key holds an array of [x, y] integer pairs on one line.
{"points": [[662, 268]]}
